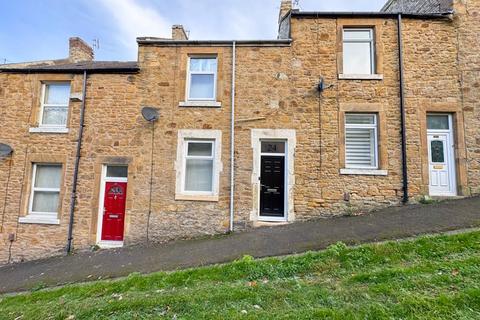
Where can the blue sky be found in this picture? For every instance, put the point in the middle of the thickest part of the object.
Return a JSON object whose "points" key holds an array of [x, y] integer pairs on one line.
{"points": [[39, 30]]}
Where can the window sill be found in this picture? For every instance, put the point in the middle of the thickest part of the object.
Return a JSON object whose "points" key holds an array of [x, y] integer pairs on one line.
{"points": [[189, 197], [48, 130], [360, 76], [200, 104], [364, 172], [32, 219]]}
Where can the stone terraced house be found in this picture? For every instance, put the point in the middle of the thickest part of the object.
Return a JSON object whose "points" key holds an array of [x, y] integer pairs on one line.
{"points": [[343, 113]]}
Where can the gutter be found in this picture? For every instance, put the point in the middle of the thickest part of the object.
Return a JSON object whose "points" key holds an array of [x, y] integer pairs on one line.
{"points": [[216, 43], [370, 14], [77, 164], [232, 138], [402, 111], [66, 70]]}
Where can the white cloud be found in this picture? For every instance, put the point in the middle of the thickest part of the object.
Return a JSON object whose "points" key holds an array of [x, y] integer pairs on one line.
{"points": [[134, 19]]}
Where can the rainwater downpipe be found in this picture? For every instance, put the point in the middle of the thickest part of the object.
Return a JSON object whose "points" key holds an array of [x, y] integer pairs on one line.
{"points": [[402, 112], [77, 164], [232, 138]]}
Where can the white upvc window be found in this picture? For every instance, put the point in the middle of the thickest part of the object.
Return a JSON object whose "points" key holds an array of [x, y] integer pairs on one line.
{"points": [[361, 141], [198, 165], [358, 51], [202, 79], [44, 195], [54, 104]]}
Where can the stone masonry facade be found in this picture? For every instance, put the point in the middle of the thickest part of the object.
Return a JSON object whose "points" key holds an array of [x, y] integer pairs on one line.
{"points": [[276, 98]]}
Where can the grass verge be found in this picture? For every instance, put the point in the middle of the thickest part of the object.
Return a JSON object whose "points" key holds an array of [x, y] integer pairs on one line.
{"points": [[435, 277]]}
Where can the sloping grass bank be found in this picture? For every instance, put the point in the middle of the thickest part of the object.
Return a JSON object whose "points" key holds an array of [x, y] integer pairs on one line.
{"points": [[426, 278]]}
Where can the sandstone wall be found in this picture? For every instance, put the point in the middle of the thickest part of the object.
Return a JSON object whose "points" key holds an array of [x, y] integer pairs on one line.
{"points": [[276, 89], [468, 30]]}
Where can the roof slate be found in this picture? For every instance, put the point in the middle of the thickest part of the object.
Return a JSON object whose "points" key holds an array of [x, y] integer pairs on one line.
{"points": [[91, 66], [418, 6]]}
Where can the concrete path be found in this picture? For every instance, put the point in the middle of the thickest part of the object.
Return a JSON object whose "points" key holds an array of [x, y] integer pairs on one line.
{"points": [[391, 223]]}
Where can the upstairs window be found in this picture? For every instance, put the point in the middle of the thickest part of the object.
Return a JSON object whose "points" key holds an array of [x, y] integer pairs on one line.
{"points": [[361, 142], [54, 104], [202, 78], [358, 51]]}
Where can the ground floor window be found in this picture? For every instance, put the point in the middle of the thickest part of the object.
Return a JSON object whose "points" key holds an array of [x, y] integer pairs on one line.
{"points": [[46, 189], [361, 142], [198, 165], [44, 197], [199, 160]]}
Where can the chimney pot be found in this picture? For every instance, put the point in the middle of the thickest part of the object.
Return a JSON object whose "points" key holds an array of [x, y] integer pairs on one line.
{"points": [[79, 50], [178, 32]]}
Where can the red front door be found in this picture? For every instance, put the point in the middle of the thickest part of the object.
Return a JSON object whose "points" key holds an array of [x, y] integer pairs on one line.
{"points": [[114, 211]]}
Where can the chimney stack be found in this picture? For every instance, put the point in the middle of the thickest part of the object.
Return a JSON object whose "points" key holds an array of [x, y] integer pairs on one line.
{"points": [[285, 7], [79, 50], [178, 32]]}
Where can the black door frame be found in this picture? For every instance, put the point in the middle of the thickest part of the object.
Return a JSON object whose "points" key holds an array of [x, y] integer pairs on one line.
{"points": [[285, 186]]}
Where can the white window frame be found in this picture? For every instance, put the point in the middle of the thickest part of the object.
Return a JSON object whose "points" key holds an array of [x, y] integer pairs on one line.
{"points": [[43, 105], [185, 137], [375, 142], [186, 157], [371, 41], [189, 79], [36, 216]]}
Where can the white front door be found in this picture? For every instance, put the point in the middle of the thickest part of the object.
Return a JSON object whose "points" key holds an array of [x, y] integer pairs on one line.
{"points": [[441, 156]]}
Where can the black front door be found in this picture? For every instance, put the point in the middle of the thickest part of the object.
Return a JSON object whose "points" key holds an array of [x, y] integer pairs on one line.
{"points": [[272, 186]]}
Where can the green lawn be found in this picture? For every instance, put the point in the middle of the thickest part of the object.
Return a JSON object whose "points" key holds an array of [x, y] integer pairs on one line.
{"points": [[426, 278]]}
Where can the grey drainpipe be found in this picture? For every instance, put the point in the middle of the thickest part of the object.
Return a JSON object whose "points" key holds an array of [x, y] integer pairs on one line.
{"points": [[402, 111], [77, 164], [232, 138]]}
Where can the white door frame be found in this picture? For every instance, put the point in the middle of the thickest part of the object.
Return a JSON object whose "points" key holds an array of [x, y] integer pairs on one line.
{"points": [[285, 182], [289, 136], [106, 243], [450, 153]]}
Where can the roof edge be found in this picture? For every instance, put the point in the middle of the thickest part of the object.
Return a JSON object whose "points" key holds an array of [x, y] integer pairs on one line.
{"points": [[373, 14], [246, 43], [79, 67], [70, 70]]}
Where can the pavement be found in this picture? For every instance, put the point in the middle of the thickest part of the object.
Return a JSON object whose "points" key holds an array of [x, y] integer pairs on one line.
{"points": [[387, 224]]}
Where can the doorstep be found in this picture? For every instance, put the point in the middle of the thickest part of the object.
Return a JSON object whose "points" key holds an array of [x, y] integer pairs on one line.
{"points": [[104, 244], [260, 223], [442, 198]]}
